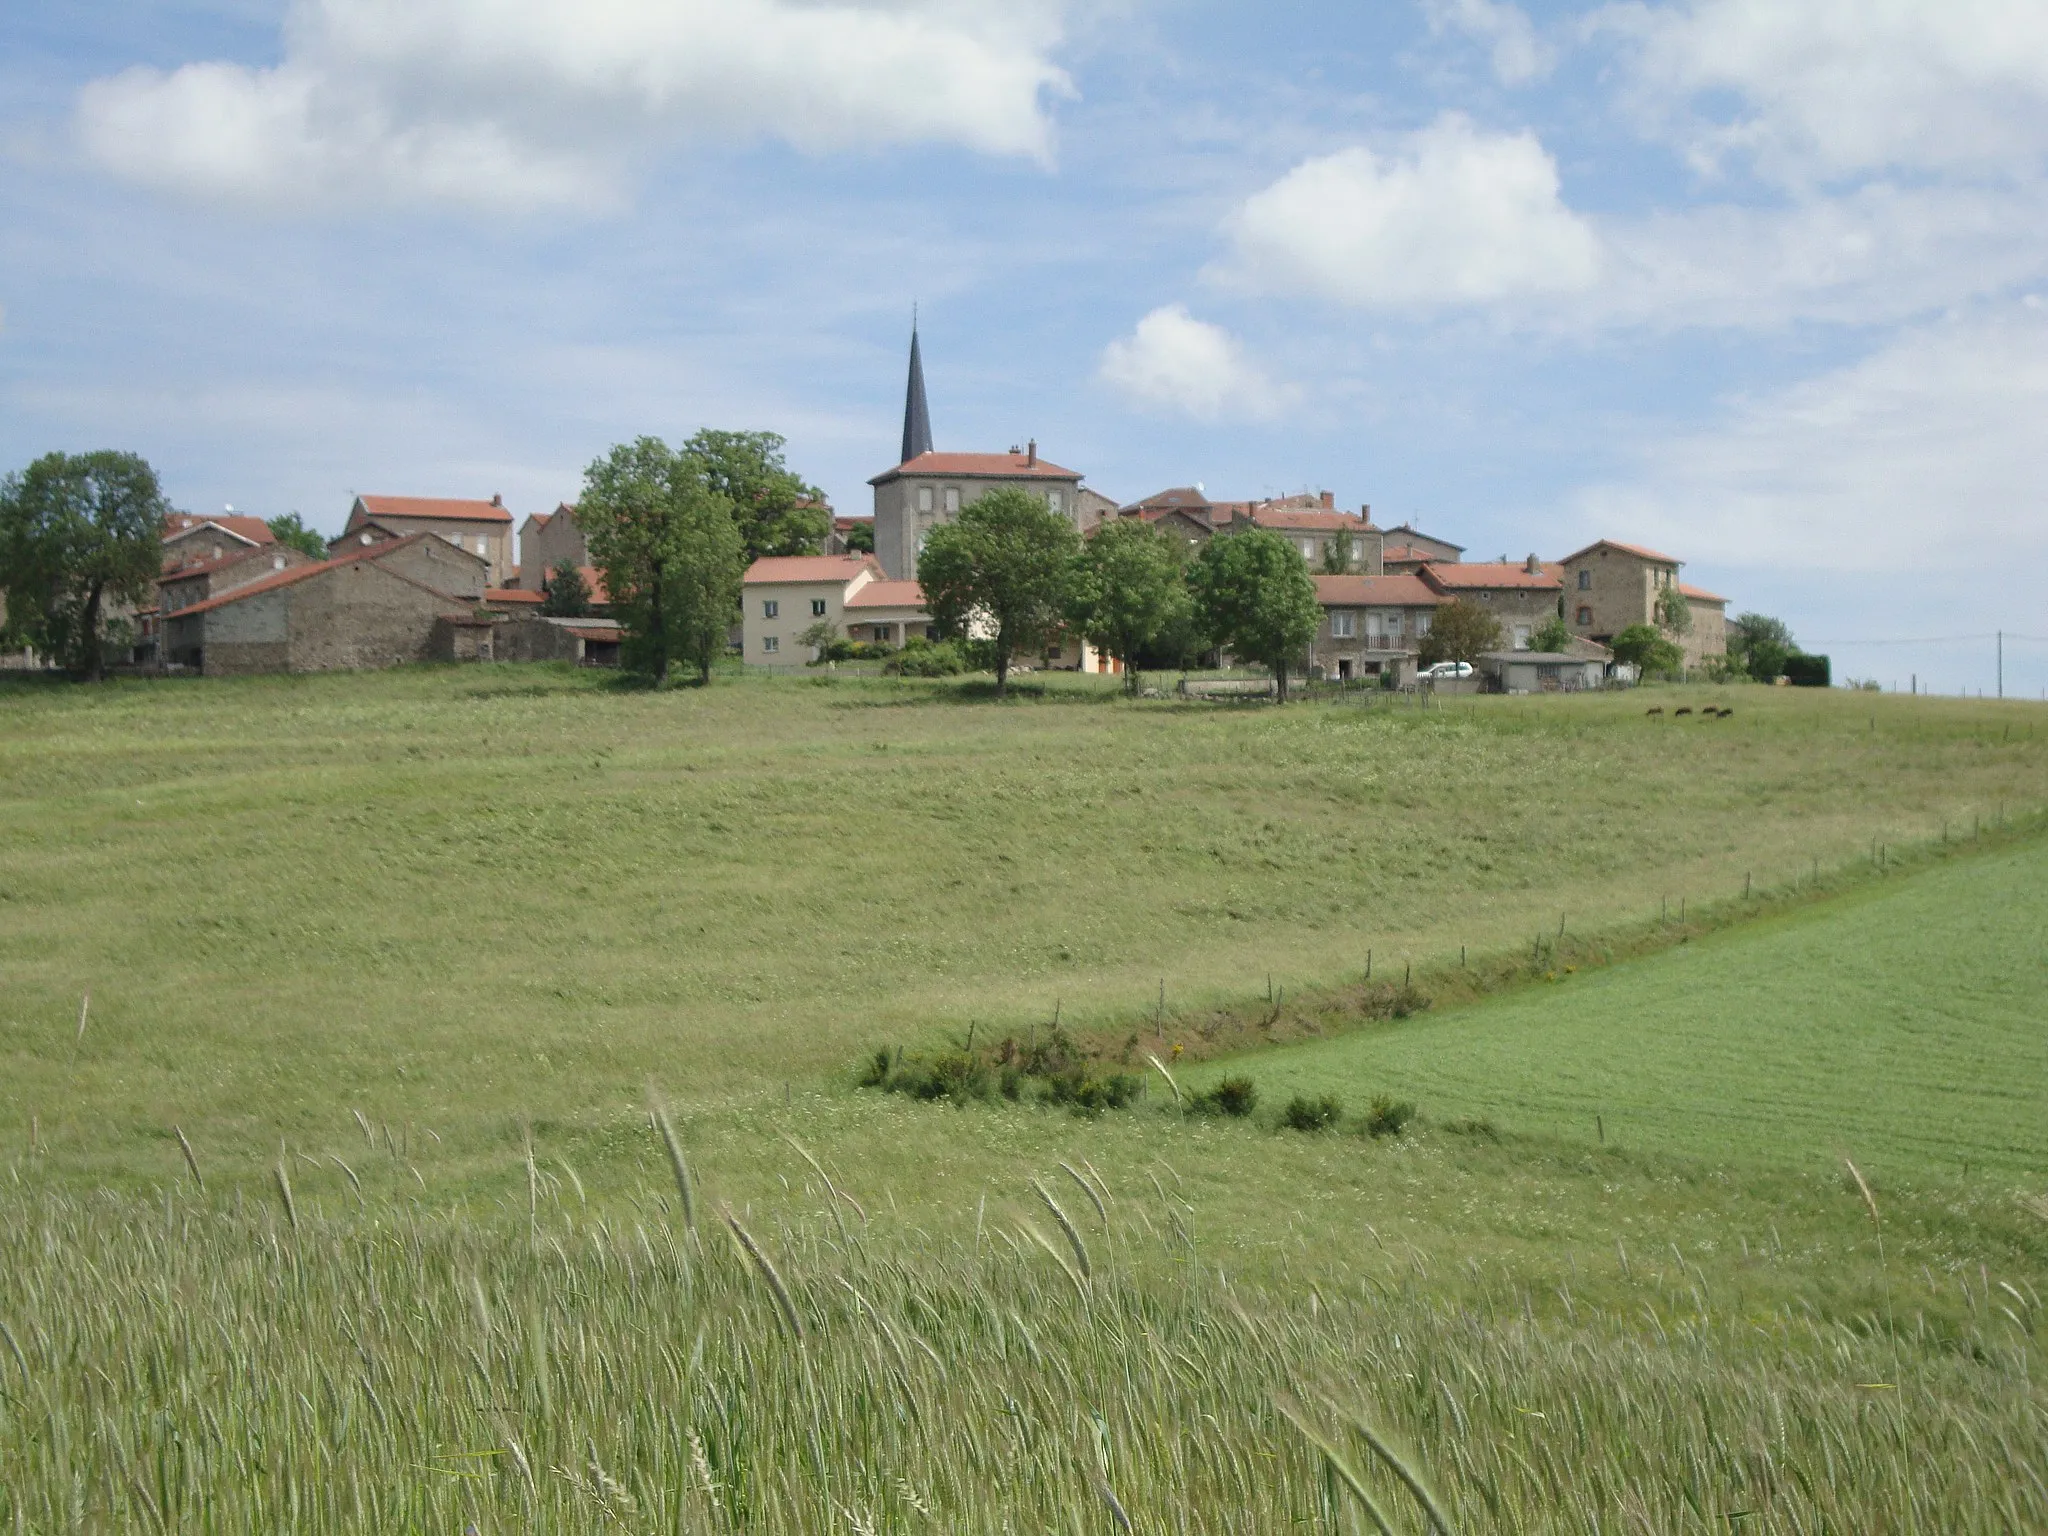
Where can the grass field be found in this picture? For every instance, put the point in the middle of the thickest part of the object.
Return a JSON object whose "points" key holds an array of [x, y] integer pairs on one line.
{"points": [[414, 947], [1906, 1025]]}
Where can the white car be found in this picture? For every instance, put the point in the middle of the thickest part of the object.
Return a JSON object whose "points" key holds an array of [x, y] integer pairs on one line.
{"points": [[1446, 669]]}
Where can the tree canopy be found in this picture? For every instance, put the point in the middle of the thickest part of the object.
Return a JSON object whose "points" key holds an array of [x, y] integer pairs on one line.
{"points": [[671, 554], [79, 533], [1762, 646], [1647, 647], [1129, 593], [1674, 613], [1555, 636], [568, 594], [777, 512], [1461, 630], [290, 530], [1257, 599], [999, 573], [860, 538]]}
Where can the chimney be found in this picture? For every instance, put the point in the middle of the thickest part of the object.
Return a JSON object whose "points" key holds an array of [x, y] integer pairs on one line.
{"points": [[1329, 501], [1031, 455], [1365, 511], [497, 500], [1535, 566]]}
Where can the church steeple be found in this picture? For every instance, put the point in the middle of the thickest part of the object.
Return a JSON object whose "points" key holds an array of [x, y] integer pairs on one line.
{"points": [[917, 416]]}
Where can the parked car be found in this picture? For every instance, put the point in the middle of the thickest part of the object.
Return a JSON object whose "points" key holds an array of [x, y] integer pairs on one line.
{"points": [[1447, 669]]}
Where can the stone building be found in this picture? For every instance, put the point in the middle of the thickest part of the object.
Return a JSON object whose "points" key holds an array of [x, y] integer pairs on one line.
{"points": [[481, 528], [192, 540], [1523, 597], [1609, 586], [379, 606], [1372, 626]]}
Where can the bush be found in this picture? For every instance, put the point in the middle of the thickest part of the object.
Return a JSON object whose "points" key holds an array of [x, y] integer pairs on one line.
{"points": [[926, 658], [1048, 1069], [1807, 671], [1307, 1114], [1234, 1096], [1388, 1117]]}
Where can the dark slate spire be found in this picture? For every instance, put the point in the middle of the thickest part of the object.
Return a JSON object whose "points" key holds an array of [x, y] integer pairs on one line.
{"points": [[917, 416]]}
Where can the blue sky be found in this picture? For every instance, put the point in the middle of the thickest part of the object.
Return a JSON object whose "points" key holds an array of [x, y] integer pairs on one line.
{"points": [[1763, 283]]}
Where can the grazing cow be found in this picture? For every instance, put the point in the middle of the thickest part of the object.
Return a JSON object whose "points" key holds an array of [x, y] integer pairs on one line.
{"points": [[1656, 709], [1726, 712], [1685, 711]]}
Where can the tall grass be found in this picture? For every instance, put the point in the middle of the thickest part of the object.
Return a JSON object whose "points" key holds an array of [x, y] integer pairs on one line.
{"points": [[198, 1362]]}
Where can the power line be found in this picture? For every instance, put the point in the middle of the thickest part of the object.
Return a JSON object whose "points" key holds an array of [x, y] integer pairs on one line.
{"points": [[1942, 639]]}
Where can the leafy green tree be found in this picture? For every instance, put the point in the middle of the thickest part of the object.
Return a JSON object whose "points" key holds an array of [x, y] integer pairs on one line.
{"points": [[1337, 554], [1673, 612], [1763, 646], [1257, 599], [1130, 591], [778, 513], [860, 537], [568, 594], [1645, 646], [1555, 636], [1459, 631], [999, 572], [291, 531], [670, 551], [79, 533]]}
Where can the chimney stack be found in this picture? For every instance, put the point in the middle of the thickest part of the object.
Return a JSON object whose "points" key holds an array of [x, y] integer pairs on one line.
{"points": [[1031, 455], [1535, 566], [497, 500], [1329, 501]]}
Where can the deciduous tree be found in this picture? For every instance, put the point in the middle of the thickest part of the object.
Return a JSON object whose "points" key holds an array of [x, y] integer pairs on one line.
{"points": [[1257, 599], [568, 594], [1645, 646], [290, 530], [1763, 646], [1459, 631], [670, 551], [999, 573], [778, 513], [79, 534], [1555, 637], [1130, 591]]}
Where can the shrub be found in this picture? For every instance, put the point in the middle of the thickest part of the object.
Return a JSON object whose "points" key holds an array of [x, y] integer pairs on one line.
{"points": [[1234, 1096], [1048, 1069], [925, 658], [1085, 1089], [1307, 1114], [1807, 671], [1387, 1117]]}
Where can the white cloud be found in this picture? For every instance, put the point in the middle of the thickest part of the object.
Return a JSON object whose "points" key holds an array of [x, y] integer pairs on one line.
{"points": [[1454, 216], [1836, 87], [1926, 456], [1518, 54], [542, 103], [1173, 361]]}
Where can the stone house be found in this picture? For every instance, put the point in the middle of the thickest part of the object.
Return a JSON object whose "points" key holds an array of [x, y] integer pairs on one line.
{"points": [[585, 642], [191, 540], [482, 528], [1609, 586], [1372, 626], [921, 493], [1310, 521], [548, 540], [1524, 596], [1408, 549], [378, 606], [187, 585]]}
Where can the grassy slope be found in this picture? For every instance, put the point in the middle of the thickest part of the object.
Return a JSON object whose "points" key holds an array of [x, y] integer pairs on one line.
{"points": [[472, 896], [1901, 1025]]}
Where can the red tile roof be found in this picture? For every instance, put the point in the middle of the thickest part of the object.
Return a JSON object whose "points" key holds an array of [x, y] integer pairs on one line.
{"points": [[1307, 520], [888, 594], [174, 572], [1474, 575], [445, 509], [986, 466], [788, 568], [243, 527], [1700, 594], [1416, 533], [513, 595], [1376, 592], [1627, 549]]}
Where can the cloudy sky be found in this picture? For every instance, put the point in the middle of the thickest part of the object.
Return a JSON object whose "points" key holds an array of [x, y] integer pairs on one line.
{"points": [[1763, 283]]}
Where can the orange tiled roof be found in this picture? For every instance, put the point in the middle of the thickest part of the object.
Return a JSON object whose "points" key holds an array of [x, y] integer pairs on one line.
{"points": [[1488, 574], [787, 568], [1628, 549], [441, 508], [253, 529], [1003, 466], [1307, 519], [888, 594], [1700, 594], [1376, 592], [174, 572], [512, 595]]}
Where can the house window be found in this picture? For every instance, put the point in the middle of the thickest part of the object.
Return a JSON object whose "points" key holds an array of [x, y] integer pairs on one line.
{"points": [[482, 548], [1585, 616], [1052, 652], [1308, 549], [770, 608], [952, 498], [771, 643], [1054, 501], [1393, 626], [924, 498], [1585, 581], [1343, 624], [817, 607], [1521, 637]]}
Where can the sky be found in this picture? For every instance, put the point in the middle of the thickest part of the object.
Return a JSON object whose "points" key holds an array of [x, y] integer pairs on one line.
{"points": [[1760, 283]]}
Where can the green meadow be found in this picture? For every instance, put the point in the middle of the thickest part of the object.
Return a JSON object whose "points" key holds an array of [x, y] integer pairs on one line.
{"points": [[339, 1207]]}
